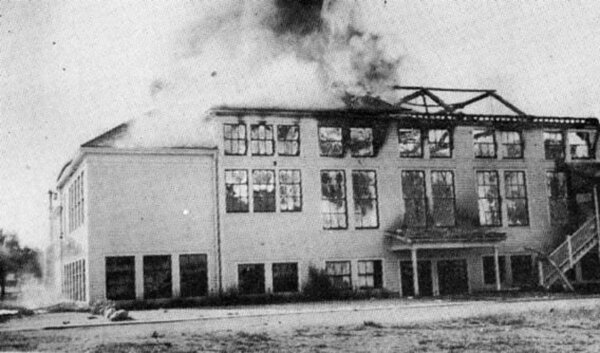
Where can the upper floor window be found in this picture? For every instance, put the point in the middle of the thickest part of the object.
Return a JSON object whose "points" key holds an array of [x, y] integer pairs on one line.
{"points": [[580, 144], [330, 141], [263, 190], [439, 141], [442, 192], [484, 143], [410, 143], [364, 188], [512, 144], [234, 139], [556, 186], [288, 140], [261, 140], [236, 186], [415, 199], [516, 198], [554, 146], [361, 141], [489, 198], [333, 199], [290, 190], [76, 212]]}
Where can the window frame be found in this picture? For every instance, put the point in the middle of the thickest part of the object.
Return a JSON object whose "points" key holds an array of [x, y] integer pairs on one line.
{"points": [[433, 198], [588, 145], [504, 144], [431, 144], [344, 198], [501, 267], [272, 195], [357, 201], [168, 287], [342, 276], [549, 145], [231, 139], [282, 184], [420, 143], [256, 140], [377, 277], [477, 144], [498, 199], [193, 275], [423, 199], [294, 280], [330, 141], [111, 275], [510, 198], [247, 197], [352, 144], [285, 141], [260, 286], [563, 199]]}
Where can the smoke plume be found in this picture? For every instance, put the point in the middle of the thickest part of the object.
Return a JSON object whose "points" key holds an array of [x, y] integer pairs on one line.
{"points": [[306, 54]]}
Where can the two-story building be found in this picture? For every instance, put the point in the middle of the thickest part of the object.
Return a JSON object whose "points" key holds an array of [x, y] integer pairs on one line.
{"points": [[416, 202]]}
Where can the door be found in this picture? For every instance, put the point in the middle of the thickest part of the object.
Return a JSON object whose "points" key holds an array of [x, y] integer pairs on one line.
{"points": [[453, 277], [425, 279]]}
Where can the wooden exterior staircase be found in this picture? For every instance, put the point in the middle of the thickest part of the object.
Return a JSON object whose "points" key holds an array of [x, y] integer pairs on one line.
{"points": [[568, 254]]}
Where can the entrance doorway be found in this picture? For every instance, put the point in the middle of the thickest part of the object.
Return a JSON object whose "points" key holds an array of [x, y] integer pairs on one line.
{"points": [[453, 277], [425, 278]]}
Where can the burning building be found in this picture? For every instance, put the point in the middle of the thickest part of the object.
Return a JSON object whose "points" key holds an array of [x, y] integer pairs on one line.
{"points": [[309, 155]]}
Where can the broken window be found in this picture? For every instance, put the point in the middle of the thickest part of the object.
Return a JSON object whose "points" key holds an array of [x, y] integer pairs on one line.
{"points": [[554, 147], [364, 187], [290, 190], [361, 142], [515, 192], [489, 269], [288, 140], [120, 278], [262, 140], [410, 143], [512, 144], [484, 143], [370, 274], [285, 277], [439, 143], [442, 189], [193, 275], [580, 144], [413, 190], [157, 276], [235, 139], [489, 198], [522, 270], [251, 278], [339, 274], [330, 141], [556, 186], [263, 190], [333, 199], [236, 186]]}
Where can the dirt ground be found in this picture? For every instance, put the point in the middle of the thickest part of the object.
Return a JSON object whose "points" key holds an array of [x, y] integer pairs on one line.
{"points": [[485, 326]]}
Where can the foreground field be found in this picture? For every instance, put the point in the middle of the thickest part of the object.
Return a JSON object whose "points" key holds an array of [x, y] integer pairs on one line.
{"points": [[555, 328]]}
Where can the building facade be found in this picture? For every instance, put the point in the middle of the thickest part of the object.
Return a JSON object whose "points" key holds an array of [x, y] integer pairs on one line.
{"points": [[417, 203]]}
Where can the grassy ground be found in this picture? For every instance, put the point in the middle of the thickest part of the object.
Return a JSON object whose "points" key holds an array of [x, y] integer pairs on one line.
{"points": [[575, 330]]}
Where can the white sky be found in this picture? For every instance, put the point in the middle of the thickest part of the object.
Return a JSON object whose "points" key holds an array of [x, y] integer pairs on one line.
{"points": [[70, 70]]}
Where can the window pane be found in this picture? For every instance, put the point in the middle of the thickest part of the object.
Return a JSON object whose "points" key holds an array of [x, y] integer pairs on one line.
{"points": [[330, 141], [234, 139], [251, 278], [339, 274], [285, 277], [157, 277], [516, 198], [193, 275], [484, 143], [556, 186], [579, 144], [263, 187], [288, 140], [361, 142], [554, 145], [512, 144], [369, 274], [489, 198], [236, 186], [442, 188], [290, 190], [261, 140], [413, 189], [364, 186], [410, 143], [439, 143], [333, 199]]}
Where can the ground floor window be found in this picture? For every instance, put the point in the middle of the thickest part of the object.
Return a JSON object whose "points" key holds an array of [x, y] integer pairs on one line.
{"points": [[120, 277], [369, 274], [73, 286], [285, 277], [251, 278], [522, 270], [193, 276], [489, 269], [339, 273], [157, 276]]}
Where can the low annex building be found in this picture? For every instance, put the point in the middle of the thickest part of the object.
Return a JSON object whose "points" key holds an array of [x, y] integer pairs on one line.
{"points": [[419, 198]]}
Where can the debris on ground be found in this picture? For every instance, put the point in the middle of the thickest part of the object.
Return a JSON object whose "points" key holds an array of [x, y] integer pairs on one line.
{"points": [[119, 315]]}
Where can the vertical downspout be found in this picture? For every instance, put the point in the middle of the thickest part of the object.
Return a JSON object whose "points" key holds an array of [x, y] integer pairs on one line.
{"points": [[218, 217]]}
